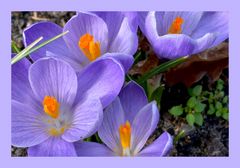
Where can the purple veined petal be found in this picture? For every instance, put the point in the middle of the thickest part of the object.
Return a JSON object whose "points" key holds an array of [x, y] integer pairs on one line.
{"points": [[113, 117], [92, 149], [133, 99], [114, 21], [54, 146], [102, 79], [190, 21], [53, 77], [160, 147], [126, 41], [47, 30], [87, 117], [27, 127], [213, 22], [148, 25], [172, 46], [133, 20], [69, 59], [21, 89], [125, 60], [143, 125], [204, 42], [81, 24]]}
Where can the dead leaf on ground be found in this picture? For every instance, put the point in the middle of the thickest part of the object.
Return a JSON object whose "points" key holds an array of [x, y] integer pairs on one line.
{"points": [[210, 62]]}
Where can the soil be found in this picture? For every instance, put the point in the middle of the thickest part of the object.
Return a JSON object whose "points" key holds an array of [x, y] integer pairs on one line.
{"points": [[211, 139]]}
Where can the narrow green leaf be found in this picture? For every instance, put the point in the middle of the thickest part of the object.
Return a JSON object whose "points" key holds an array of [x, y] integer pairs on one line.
{"points": [[30, 49], [190, 119], [176, 110], [157, 95], [198, 118], [15, 49], [161, 68], [22, 54]]}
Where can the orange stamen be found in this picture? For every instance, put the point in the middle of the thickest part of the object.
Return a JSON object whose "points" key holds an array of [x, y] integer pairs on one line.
{"points": [[90, 48], [51, 106], [176, 27]]}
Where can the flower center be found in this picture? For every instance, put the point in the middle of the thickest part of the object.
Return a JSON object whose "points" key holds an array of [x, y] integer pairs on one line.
{"points": [[176, 26], [125, 138], [90, 48], [51, 106]]}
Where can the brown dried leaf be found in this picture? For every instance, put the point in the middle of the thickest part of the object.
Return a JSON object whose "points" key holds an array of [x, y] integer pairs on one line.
{"points": [[210, 62]]}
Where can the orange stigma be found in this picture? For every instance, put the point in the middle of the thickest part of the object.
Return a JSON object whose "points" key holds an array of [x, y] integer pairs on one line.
{"points": [[176, 27], [90, 48], [51, 106], [125, 135]]}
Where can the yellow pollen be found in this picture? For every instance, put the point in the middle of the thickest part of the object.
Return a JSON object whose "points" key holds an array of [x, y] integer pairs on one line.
{"points": [[51, 106], [90, 48], [176, 27], [125, 135], [56, 132]]}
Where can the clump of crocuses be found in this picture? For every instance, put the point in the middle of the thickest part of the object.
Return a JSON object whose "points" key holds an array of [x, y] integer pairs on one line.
{"points": [[127, 124], [52, 106]]}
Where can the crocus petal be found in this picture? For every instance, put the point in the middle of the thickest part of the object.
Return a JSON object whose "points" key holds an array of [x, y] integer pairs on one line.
{"points": [[27, 126], [54, 146], [160, 147], [204, 42], [213, 22], [47, 30], [113, 21], [21, 89], [133, 98], [87, 118], [92, 149], [113, 117], [126, 41], [102, 79], [173, 46], [124, 59], [52, 77], [81, 24], [143, 125]]}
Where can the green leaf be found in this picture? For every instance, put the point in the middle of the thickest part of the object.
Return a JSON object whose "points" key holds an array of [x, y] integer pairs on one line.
{"points": [[161, 68], [190, 119], [198, 118], [199, 107], [197, 90], [22, 54], [218, 113], [218, 105], [220, 84], [29, 49], [176, 110], [192, 102], [224, 110], [225, 99], [157, 94], [211, 109], [225, 116], [15, 48]]}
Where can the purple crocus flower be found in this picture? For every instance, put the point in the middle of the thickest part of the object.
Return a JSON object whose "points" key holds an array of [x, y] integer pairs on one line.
{"points": [[127, 124], [176, 34], [52, 106], [91, 35]]}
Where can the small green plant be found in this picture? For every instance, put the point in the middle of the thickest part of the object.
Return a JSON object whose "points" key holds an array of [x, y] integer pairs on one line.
{"points": [[203, 102]]}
